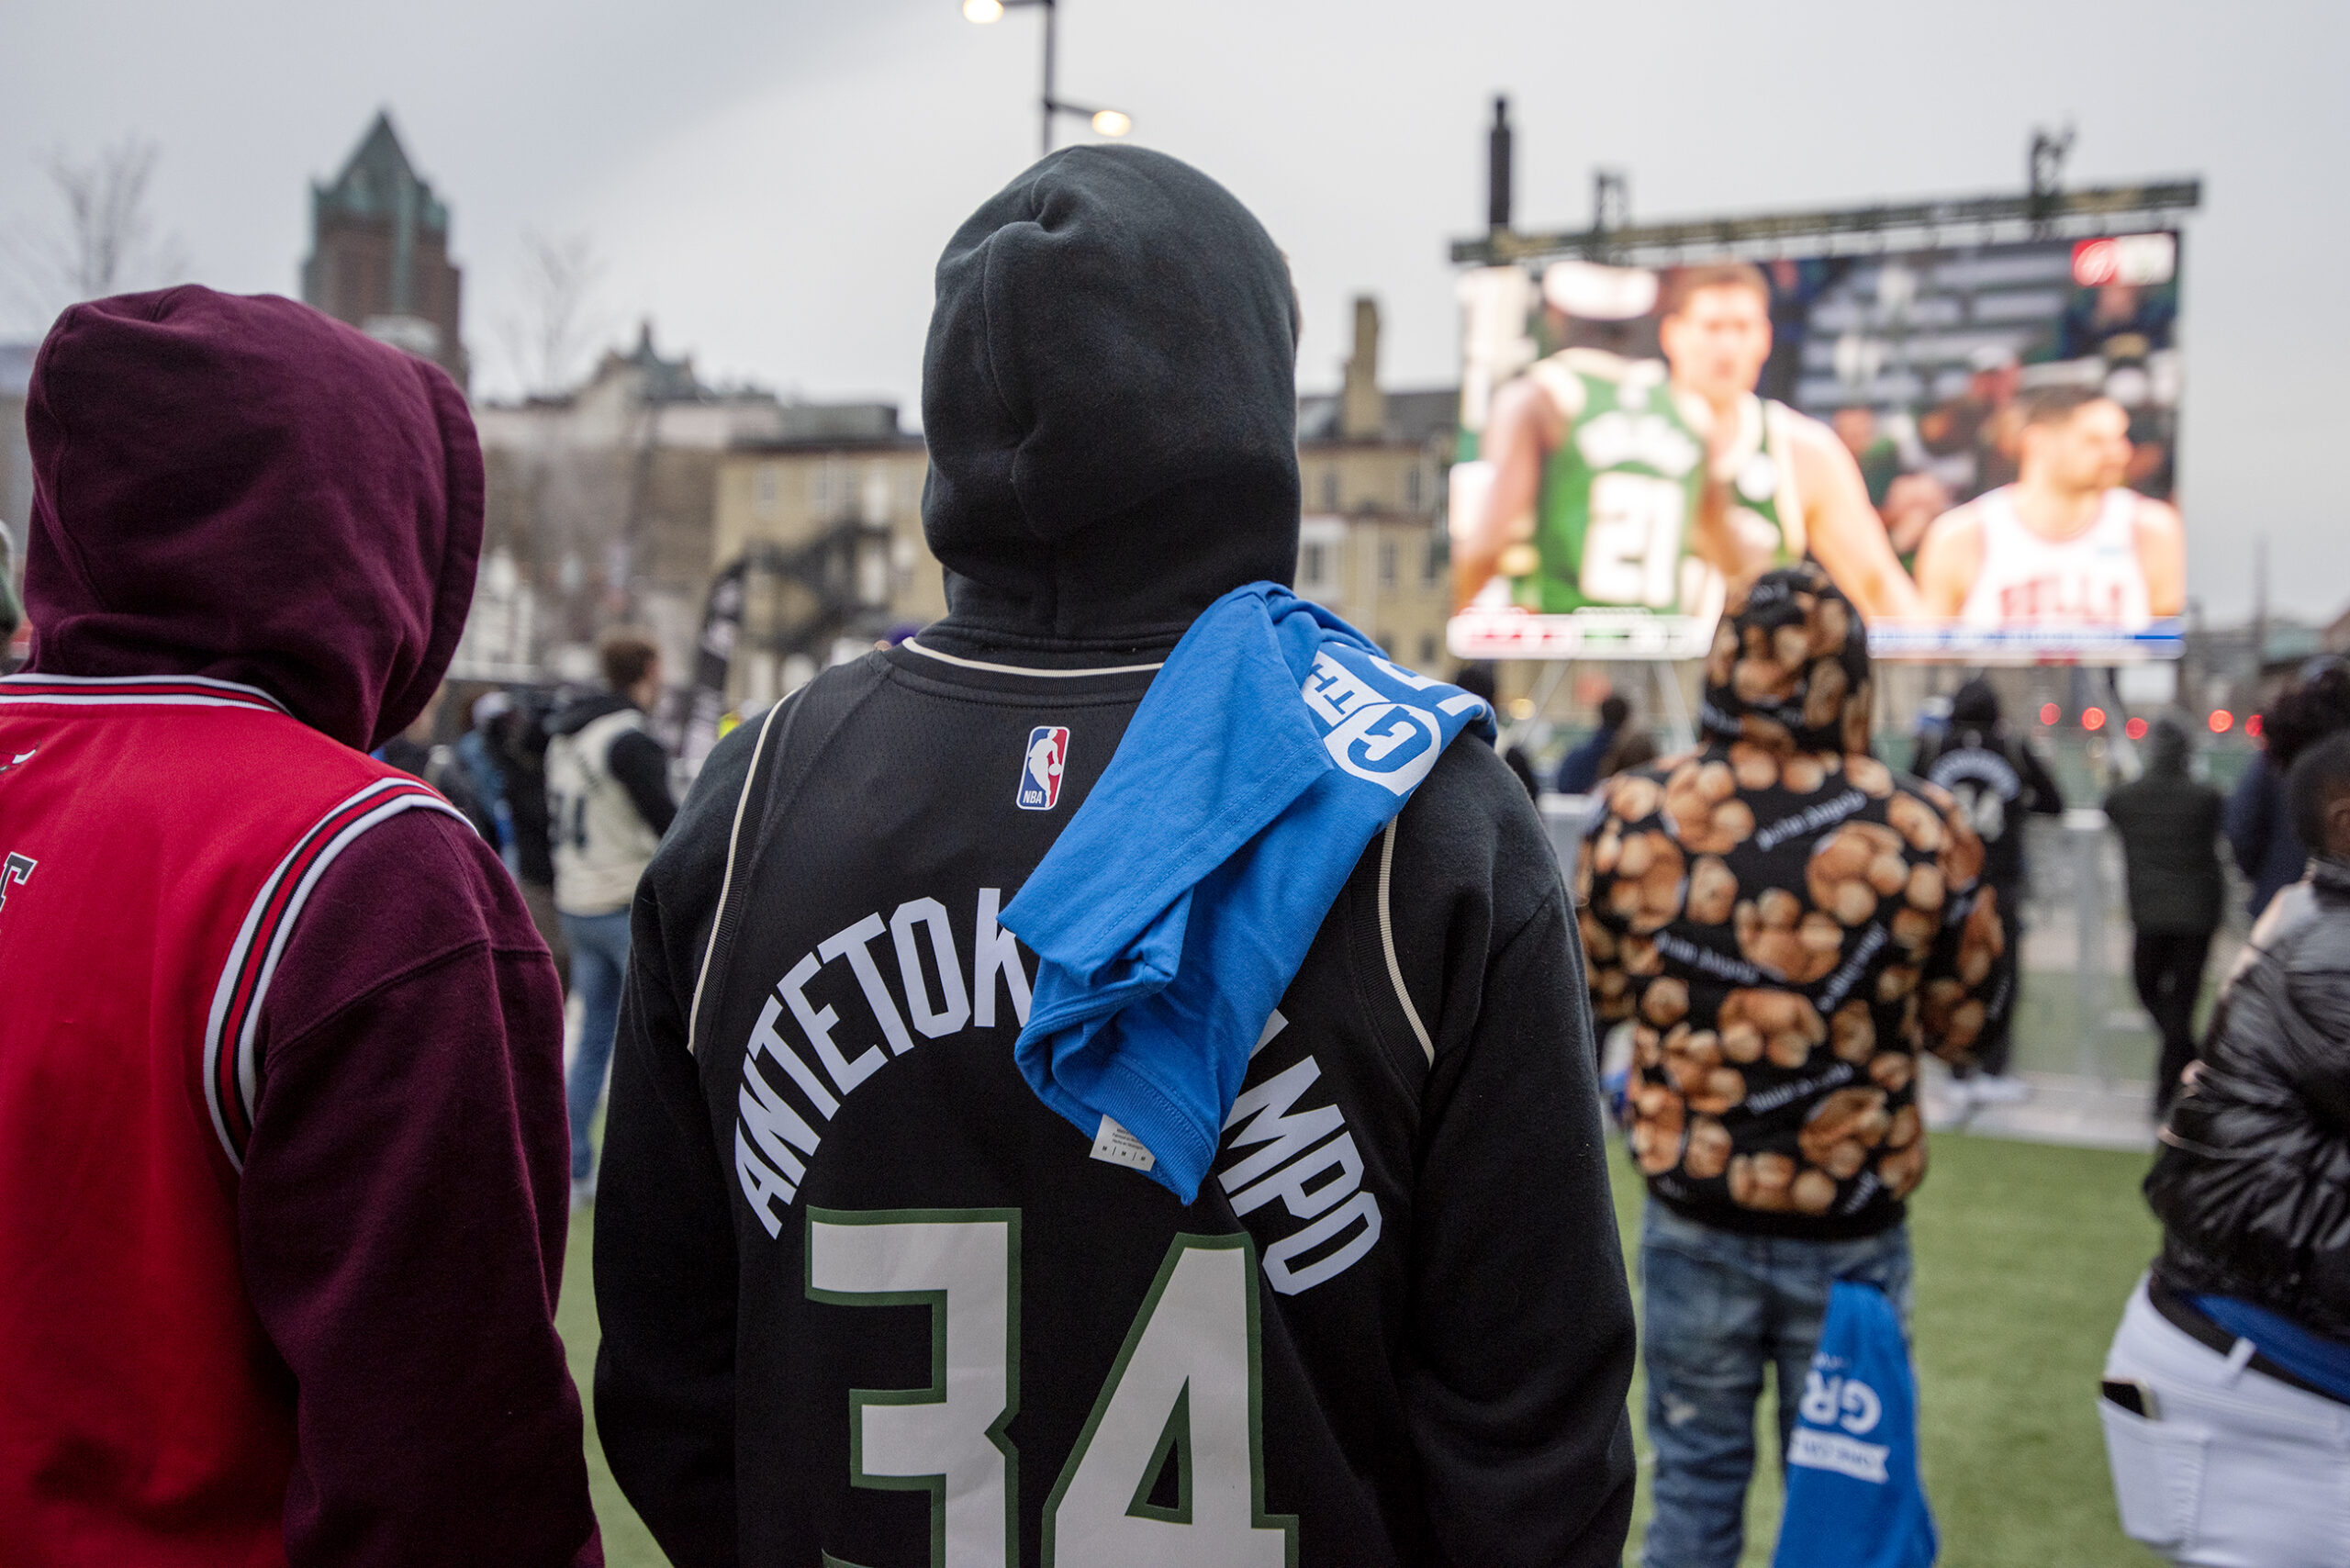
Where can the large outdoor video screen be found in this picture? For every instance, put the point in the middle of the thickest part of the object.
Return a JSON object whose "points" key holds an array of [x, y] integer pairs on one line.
{"points": [[1976, 443]]}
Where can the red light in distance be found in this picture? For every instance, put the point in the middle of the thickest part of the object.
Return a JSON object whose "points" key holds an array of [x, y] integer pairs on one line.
{"points": [[2050, 712], [2252, 726], [2092, 718], [2223, 721], [2135, 728]]}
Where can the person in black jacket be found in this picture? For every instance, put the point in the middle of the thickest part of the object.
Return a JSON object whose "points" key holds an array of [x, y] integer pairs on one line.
{"points": [[2260, 823], [519, 743], [1578, 770], [1999, 779], [2227, 1395], [865, 1297], [2169, 825]]}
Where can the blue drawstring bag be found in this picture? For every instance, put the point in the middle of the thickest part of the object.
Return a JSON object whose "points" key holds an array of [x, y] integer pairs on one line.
{"points": [[1854, 1497]]}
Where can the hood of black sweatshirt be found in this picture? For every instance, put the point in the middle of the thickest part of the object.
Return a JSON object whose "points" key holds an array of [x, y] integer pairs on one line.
{"points": [[1109, 394]]}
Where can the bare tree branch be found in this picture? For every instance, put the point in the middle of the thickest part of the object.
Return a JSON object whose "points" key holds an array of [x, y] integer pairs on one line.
{"points": [[558, 319], [106, 242]]}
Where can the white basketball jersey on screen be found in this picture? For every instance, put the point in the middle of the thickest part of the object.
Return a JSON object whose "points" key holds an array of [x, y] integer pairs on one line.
{"points": [[2091, 579]]}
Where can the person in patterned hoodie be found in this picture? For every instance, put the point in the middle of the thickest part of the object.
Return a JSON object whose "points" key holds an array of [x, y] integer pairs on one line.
{"points": [[1782, 923]]}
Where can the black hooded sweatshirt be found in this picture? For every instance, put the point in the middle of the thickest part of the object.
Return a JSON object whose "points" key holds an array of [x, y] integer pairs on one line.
{"points": [[2169, 824], [1394, 1329], [1997, 777]]}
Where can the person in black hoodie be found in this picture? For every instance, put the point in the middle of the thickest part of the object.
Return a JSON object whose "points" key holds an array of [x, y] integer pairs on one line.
{"points": [[865, 1297], [2258, 822], [1998, 778], [2169, 825]]}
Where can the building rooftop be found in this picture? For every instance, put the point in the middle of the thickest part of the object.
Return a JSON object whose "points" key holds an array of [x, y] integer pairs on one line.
{"points": [[818, 426], [1413, 417], [378, 181]]}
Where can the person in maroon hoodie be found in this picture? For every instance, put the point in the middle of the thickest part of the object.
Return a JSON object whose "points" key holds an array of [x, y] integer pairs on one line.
{"points": [[282, 1158]]}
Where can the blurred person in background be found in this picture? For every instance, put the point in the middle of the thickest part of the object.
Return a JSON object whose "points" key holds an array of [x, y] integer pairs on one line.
{"points": [[280, 1131], [1785, 922], [1879, 458], [2169, 825], [2067, 544], [519, 741], [414, 752], [2259, 824], [1633, 748], [607, 805], [1478, 679], [2226, 1395], [1973, 437], [12, 614], [479, 757], [1579, 769], [1998, 778], [1911, 504]]}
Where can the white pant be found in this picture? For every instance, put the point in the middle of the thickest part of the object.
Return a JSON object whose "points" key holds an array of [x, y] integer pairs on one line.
{"points": [[2237, 1469]]}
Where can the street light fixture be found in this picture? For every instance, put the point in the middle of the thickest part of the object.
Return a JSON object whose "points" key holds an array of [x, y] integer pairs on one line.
{"points": [[1106, 122]]}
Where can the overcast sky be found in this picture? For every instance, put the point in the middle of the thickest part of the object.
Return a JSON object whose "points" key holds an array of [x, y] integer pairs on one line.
{"points": [[770, 182]]}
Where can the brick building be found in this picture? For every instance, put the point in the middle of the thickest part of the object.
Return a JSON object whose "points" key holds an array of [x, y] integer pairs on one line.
{"points": [[379, 254]]}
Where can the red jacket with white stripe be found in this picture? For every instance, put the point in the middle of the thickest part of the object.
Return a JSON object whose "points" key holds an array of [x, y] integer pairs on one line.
{"points": [[282, 1159], [149, 892]]}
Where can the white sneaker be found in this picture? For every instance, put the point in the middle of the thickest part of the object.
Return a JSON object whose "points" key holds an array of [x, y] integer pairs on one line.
{"points": [[1945, 1101], [583, 1194], [1997, 1088]]}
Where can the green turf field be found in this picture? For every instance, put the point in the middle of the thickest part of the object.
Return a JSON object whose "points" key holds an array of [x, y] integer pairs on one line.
{"points": [[2025, 1254]]}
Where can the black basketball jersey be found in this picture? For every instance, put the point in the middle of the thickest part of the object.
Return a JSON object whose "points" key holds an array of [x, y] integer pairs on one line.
{"points": [[866, 1300]]}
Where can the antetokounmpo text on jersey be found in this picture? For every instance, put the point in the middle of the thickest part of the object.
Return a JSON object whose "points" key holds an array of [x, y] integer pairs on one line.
{"points": [[1306, 1158]]}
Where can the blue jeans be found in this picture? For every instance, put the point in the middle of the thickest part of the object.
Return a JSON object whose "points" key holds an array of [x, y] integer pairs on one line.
{"points": [[598, 963], [1717, 1307]]}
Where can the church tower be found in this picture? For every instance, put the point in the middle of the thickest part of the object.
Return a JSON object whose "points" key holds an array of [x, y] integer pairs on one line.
{"points": [[379, 254]]}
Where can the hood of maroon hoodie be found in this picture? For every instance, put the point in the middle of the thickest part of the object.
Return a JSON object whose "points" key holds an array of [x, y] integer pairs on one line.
{"points": [[243, 488]]}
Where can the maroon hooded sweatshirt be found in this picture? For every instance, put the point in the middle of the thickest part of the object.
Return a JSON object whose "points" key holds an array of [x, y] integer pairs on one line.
{"points": [[283, 1154]]}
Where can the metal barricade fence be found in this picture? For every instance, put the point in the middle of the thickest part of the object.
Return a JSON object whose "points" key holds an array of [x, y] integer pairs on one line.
{"points": [[2078, 1027]]}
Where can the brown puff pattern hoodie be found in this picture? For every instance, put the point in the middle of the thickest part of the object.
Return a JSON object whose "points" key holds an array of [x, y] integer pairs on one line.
{"points": [[1784, 922]]}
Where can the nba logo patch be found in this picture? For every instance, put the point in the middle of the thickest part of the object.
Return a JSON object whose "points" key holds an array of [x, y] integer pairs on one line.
{"points": [[1040, 772]]}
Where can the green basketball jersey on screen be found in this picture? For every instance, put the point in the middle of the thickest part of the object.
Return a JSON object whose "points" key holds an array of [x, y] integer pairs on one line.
{"points": [[1612, 519], [1756, 470]]}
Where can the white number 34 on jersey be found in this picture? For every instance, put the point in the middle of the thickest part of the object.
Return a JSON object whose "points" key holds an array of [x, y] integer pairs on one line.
{"points": [[1185, 1386]]}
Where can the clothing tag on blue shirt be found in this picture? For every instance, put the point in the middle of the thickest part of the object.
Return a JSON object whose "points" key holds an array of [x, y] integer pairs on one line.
{"points": [[1119, 1147]]}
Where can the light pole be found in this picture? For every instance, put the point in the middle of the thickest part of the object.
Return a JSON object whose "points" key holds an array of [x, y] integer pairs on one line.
{"points": [[1106, 122]]}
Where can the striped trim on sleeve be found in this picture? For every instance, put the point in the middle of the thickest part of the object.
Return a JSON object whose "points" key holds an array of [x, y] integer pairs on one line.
{"points": [[231, 1077]]}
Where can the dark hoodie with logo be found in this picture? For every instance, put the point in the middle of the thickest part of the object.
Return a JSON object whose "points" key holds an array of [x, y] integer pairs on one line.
{"points": [[253, 544], [865, 1297], [1784, 922], [1997, 777]]}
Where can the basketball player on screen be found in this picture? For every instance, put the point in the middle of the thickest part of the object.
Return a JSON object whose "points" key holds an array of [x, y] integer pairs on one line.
{"points": [[1779, 485], [2066, 544]]}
